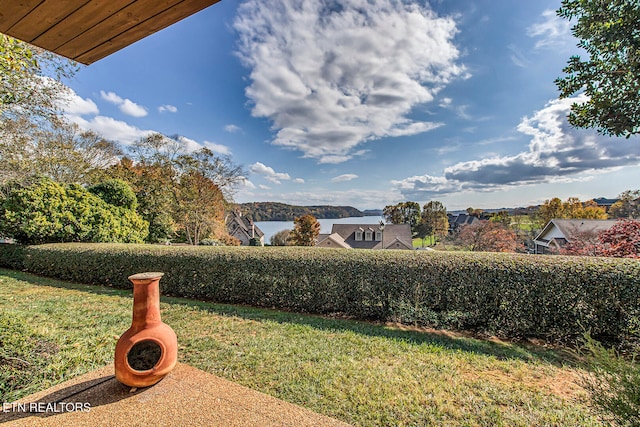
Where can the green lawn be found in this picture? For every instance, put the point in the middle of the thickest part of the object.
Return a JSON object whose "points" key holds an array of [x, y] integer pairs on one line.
{"points": [[358, 372]]}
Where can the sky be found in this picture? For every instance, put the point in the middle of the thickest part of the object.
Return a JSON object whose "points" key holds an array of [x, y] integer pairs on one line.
{"points": [[365, 103]]}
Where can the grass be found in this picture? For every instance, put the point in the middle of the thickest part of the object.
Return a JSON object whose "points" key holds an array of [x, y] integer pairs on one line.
{"points": [[361, 373]]}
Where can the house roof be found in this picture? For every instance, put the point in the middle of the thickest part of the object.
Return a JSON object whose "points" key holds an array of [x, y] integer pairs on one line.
{"points": [[239, 222], [392, 232], [461, 219], [602, 201], [568, 228], [89, 30], [337, 240]]}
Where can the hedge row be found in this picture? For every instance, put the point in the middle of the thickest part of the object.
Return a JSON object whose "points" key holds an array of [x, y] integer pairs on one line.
{"points": [[511, 295]]}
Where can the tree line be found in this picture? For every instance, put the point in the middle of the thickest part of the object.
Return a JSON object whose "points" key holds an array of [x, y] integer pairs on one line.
{"points": [[273, 211], [505, 231], [60, 183]]}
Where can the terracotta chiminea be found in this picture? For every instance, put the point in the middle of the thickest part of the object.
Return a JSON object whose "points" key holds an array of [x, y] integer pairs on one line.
{"points": [[148, 350]]}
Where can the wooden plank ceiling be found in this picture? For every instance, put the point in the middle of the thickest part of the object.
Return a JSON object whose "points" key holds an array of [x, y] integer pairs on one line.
{"points": [[89, 30]]}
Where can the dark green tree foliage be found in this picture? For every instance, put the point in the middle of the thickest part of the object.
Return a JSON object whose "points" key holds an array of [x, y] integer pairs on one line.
{"points": [[46, 212], [116, 192], [610, 77]]}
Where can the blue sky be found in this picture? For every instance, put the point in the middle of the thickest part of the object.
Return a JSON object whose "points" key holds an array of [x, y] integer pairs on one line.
{"points": [[351, 103]]}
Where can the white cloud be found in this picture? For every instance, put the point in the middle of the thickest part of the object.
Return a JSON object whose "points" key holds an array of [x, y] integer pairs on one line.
{"points": [[109, 128], [517, 57], [332, 76], [232, 128], [557, 152], [298, 181], [190, 145], [76, 105], [264, 187], [246, 184], [130, 108], [111, 97], [168, 107], [344, 177], [269, 173], [552, 31], [127, 106], [218, 148]]}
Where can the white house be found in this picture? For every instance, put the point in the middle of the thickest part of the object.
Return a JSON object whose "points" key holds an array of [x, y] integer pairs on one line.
{"points": [[558, 232]]}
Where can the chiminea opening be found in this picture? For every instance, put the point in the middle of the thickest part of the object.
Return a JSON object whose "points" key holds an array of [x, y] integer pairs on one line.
{"points": [[144, 355]]}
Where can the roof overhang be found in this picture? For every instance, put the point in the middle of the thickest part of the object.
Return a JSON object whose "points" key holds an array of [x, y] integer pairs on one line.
{"points": [[89, 30]]}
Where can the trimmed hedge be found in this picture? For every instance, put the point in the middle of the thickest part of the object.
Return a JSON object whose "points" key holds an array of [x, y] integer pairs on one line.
{"points": [[512, 295]]}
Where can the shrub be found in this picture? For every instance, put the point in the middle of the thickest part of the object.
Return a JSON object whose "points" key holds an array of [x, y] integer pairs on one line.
{"points": [[12, 256], [46, 211], [510, 295], [116, 192], [613, 383], [210, 242]]}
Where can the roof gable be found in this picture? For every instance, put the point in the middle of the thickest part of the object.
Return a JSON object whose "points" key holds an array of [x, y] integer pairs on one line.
{"points": [[568, 228]]}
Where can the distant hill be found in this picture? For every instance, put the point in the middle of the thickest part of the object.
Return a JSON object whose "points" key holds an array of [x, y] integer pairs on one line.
{"points": [[372, 212], [273, 211]]}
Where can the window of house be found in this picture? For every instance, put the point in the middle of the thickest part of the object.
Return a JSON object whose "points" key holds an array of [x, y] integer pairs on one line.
{"points": [[368, 236], [358, 235], [378, 235]]}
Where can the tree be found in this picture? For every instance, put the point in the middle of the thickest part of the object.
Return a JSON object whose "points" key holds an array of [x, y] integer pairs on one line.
{"points": [[152, 187], [551, 209], [571, 208], [502, 217], [584, 243], [172, 185], [46, 211], [622, 239], [434, 220], [31, 79], [591, 210], [488, 236], [403, 213], [305, 231], [281, 238], [53, 148], [610, 77], [200, 207], [627, 206]]}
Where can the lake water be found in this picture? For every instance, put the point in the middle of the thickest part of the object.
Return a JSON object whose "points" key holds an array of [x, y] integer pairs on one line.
{"points": [[272, 227]]}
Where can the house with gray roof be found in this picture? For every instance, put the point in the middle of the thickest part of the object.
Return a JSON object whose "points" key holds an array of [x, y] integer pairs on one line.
{"points": [[367, 236], [559, 232], [460, 220], [243, 229]]}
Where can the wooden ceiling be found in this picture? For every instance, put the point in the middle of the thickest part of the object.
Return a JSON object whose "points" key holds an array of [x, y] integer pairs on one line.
{"points": [[89, 30]]}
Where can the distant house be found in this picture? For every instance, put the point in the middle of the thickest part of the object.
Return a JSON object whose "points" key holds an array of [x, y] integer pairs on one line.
{"points": [[243, 229], [559, 232], [605, 203], [367, 236], [457, 221]]}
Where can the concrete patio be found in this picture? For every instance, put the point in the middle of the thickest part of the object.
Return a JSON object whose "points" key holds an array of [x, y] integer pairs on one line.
{"points": [[185, 397]]}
